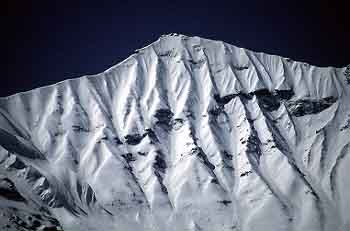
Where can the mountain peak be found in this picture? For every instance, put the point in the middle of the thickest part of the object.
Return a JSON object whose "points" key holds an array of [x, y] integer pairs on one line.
{"points": [[185, 134]]}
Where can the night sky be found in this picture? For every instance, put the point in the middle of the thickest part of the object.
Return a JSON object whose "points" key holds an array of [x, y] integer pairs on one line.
{"points": [[49, 41]]}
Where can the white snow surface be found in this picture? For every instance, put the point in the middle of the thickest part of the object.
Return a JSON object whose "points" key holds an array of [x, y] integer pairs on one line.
{"points": [[186, 134]]}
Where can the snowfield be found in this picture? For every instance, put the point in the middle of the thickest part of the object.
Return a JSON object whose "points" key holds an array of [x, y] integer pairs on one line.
{"points": [[187, 134]]}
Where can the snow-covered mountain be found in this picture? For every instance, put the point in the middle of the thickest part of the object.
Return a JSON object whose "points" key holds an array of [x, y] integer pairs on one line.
{"points": [[185, 134]]}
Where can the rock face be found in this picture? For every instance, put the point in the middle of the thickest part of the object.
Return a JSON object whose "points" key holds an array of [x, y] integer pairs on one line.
{"points": [[185, 134]]}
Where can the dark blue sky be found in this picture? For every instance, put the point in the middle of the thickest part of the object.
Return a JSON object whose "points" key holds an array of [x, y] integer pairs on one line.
{"points": [[49, 41]]}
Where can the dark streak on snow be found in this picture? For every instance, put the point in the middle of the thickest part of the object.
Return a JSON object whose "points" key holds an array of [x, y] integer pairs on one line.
{"points": [[9, 191], [225, 202], [246, 173], [308, 106]]}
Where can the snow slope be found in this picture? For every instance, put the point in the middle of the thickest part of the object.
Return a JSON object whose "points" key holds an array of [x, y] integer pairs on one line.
{"points": [[185, 134]]}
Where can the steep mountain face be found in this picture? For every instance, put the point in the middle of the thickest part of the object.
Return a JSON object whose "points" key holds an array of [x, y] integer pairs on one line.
{"points": [[185, 134]]}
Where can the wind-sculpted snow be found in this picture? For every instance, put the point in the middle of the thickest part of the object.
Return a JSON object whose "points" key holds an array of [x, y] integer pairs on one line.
{"points": [[185, 134]]}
